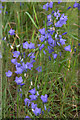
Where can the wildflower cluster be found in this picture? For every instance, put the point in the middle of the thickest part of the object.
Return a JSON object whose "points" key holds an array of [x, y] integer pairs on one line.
{"points": [[34, 97], [50, 37], [50, 41]]}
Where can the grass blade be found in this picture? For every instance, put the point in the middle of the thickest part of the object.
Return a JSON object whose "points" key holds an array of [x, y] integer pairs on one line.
{"points": [[35, 14], [32, 19]]}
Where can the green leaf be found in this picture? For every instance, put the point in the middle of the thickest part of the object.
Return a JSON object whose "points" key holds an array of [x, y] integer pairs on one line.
{"points": [[32, 19], [73, 36], [35, 14]]}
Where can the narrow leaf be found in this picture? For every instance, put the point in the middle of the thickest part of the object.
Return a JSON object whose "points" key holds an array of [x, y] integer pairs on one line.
{"points": [[32, 19]]}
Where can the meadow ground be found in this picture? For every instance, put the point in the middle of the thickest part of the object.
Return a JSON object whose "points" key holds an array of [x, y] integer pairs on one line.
{"points": [[58, 77]]}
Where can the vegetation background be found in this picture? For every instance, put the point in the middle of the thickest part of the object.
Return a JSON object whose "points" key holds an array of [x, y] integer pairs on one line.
{"points": [[58, 79]]}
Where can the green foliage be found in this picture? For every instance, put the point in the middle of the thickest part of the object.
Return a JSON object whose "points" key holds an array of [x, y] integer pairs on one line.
{"points": [[58, 79]]}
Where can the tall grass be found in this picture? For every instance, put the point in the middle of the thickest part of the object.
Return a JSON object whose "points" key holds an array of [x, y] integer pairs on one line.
{"points": [[58, 79]]}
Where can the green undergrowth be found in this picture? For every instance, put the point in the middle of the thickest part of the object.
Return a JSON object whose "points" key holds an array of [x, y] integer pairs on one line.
{"points": [[58, 79]]}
